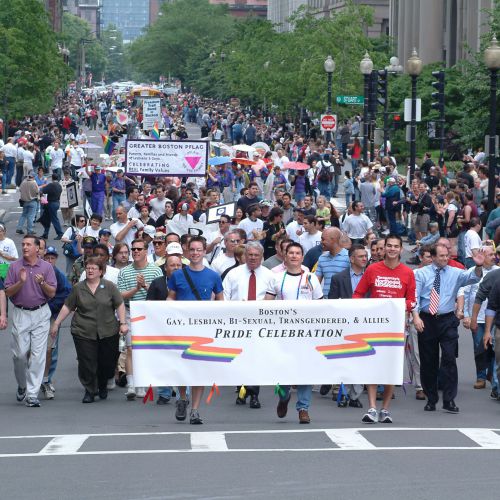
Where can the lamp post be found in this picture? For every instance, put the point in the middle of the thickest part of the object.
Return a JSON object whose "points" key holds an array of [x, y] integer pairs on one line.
{"points": [[366, 68], [492, 61], [329, 66], [414, 68]]}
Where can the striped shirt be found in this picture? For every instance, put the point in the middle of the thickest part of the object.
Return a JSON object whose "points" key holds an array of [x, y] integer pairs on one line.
{"points": [[329, 265], [127, 279]]}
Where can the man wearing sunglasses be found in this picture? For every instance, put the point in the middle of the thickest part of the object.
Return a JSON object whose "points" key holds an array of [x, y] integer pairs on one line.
{"points": [[225, 259], [216, 243], [133, 283]]}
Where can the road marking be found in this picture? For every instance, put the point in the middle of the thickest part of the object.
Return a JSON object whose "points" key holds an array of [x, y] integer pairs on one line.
{"points": [[208, 441], [64, 445], [483, 437], [349, 439]]}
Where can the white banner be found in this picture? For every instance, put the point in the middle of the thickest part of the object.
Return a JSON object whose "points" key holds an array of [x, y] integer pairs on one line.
{"points": [[151, 113], [268, 342], [174, 158]]}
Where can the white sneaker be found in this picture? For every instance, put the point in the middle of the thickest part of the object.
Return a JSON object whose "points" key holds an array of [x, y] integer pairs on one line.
{"points": [[141, 392], [47, 392], [130, 394], [111, 384], [370, 417], [384, 416]]}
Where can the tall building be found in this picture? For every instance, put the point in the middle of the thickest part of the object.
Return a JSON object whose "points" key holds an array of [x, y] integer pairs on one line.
{"points": [[55, 10], [154, 9], [88, 10], [440, 30], [280, 10], [243, 8], [129, 16]]}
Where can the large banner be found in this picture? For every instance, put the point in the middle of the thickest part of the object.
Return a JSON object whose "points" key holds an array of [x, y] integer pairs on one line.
{"points": [[151, 113], [172, 158], [268, 342]]}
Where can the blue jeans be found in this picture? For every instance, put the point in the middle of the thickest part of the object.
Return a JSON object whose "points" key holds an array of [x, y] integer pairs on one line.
{"points": [[10, 170], [335, 184], [348, 199], [324, 189], [483, 364], [53, 207], [391, 218], [304, 394], [117, 199], [53, 359], [28, 216], [165, 392], [4, 179]]}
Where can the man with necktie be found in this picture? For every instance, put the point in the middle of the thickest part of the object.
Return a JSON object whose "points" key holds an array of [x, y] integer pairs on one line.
{"points": [[250, 281], [434, 319]]}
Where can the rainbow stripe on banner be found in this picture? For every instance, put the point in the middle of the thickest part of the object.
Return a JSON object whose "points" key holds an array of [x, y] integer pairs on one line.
{"points": [[109, 145], [362, 344], [155, 132], [194, 347]]}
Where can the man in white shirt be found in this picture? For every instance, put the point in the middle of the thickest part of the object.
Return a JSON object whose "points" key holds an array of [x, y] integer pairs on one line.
{"points": [[296, 228], [10, 151], [250, 281], [57, 159], [123, 230], [252, 225], [311, 235], [225, 258], [157, 204], [295, 284], [77, 156], [472, 242], [357, 224], [216, 239]]}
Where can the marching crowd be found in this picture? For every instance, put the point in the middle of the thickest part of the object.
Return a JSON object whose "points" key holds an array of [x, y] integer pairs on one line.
{"points": [[288, 239]]}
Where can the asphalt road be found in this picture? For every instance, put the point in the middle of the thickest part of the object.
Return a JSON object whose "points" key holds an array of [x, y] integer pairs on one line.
{"points": [[116, 449]]}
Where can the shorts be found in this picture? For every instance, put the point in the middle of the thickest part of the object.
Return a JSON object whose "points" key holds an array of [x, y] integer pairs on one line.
{"points": [[422, 223]]}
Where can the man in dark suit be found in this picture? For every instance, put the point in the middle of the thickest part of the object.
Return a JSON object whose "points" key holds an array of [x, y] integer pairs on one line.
{"points": [[341, 287]]}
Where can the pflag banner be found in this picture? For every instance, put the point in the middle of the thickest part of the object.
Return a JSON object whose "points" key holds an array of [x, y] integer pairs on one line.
{"points": [[264, 343]]}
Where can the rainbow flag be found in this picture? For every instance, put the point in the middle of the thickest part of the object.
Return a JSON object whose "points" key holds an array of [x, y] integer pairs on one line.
{"points": [[155, 131], [109, 145]]}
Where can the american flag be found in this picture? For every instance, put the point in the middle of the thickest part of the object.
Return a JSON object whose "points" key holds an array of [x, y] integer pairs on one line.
{"points": [[434, 299]]}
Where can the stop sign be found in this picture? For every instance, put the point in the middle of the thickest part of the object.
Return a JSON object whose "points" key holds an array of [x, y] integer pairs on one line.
{"points": [[328, 123]]}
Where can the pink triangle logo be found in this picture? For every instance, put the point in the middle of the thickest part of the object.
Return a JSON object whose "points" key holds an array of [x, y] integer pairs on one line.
{"points": [[193, 160]]}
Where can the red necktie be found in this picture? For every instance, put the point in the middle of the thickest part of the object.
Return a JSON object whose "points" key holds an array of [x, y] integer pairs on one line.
{"points": [[252, 286]]}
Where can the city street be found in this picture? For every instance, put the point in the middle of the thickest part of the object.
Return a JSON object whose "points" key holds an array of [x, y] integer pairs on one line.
{"points": [[117, 449]]}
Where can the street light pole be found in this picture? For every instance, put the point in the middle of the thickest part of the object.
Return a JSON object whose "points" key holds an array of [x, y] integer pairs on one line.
{"points": [[492, 60], [329, 66], [414, 66], [366, 67]]}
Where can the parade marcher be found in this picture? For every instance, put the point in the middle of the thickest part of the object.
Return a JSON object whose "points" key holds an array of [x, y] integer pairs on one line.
{"points": [[386, 279], [8, 250], [437, 324], [98, 180], [30, 284], [295, 284], [53, 192], [194, 282], [96, 304], [28, 196]]}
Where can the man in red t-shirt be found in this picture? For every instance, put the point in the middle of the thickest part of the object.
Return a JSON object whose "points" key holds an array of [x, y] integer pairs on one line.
{"points": [[387, 279]]}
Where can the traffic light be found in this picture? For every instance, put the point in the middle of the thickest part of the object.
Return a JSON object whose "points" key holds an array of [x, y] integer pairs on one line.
{"points": [[438, 96], [382, 87], [397, 122]]}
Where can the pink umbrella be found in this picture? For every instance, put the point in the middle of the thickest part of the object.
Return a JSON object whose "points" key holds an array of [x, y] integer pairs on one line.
{"points": [[296, 165]]}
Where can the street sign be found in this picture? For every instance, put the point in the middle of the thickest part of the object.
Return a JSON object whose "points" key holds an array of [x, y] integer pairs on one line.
{"points": [[351, 99], [418, 117], [328, 123]]}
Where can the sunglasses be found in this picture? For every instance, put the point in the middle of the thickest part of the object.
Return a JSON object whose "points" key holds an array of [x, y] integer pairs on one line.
{"points": [[137, 249], [158, 242]]}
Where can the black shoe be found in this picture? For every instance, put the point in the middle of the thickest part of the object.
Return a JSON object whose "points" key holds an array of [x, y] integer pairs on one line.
{"points": [[122, 380], [282, 408], [42, 236], [355, 403], [324, 389], [162, 400], [430, 407], [19, 231], [254, 402], [494, 394], [88, 398], [241, 401], [450, 407], [58, 237], [103, 393], [21, 393]]}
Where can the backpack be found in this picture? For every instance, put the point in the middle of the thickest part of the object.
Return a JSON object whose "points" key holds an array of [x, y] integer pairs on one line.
{"points": [[70, 249], [324, 173]]}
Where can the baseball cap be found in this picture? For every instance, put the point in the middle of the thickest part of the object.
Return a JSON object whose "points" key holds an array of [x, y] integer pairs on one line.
{"points": [[150, 231], [51, 251], [184, 206], [266, 203], [391, 179], [89, 242], [159, 236], [98, 167], [104, 231], [174, 248], [31, 173]]}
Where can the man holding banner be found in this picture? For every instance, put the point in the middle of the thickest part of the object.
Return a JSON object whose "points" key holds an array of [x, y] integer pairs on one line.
{"points": [[295, 284], [194, 282]]}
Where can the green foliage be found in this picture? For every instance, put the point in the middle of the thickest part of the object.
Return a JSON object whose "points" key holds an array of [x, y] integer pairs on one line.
{"points": [[33, 70], [116, 63]]}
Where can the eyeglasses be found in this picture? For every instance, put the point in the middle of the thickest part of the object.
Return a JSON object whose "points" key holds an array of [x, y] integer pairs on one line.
{"points": [[223, 222], [234, 241], [136, 249], [92, 268]]}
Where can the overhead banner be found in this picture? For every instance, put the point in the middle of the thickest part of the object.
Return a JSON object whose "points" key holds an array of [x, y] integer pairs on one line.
{"points": [[268, 342], [168, 158], [151, 113]]}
